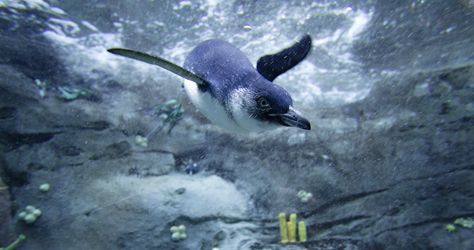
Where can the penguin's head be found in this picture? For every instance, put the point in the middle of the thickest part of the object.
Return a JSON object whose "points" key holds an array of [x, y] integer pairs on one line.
{"points": [[263, 105]]}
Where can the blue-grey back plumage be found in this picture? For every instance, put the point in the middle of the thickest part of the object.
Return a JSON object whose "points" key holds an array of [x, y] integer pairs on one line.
{"points": [[222, 65], [225, 68], [223, 84]]}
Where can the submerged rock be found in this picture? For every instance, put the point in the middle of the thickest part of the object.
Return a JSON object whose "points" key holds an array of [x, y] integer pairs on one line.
{"points": [[388, 169], [127, 209], [6, 221]]}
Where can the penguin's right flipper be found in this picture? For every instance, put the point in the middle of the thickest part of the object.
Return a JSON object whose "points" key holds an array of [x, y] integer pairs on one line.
{"points": [[140, 56], [271, 66]]}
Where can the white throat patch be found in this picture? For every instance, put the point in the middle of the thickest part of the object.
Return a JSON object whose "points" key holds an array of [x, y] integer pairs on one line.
{"points": [[210, 107], [238, 120]]}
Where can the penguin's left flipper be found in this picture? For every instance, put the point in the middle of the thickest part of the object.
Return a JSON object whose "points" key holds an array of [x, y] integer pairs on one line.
{"points": [[271, 66], [163, 63]]}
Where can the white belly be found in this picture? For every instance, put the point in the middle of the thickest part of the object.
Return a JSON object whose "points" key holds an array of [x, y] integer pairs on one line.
{"points": [[210, 108]]}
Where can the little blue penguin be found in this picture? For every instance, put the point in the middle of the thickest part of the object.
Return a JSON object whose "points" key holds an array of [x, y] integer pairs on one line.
{"points": [[223, 84]]}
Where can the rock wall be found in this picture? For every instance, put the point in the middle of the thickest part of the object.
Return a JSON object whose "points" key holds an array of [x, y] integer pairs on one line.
{"points": [[387, 172]]}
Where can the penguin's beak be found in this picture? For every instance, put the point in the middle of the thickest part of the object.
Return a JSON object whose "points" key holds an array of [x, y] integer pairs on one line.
{"points": [[293, 118]]}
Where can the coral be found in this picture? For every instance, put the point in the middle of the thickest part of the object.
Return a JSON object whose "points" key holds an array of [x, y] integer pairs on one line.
{"points": [[169, 114], [30, 214], [283, 228], [14, 244], [304, 196], [41, 87], [302, 231], [292, 228], [178, 232], [451, 228], [288, 229], [44, 187], [465, 222], [141, 141], [70, 93], [190, 167]]}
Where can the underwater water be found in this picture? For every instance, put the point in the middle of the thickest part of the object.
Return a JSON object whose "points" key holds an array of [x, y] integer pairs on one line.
{"points": [[99, 151]]}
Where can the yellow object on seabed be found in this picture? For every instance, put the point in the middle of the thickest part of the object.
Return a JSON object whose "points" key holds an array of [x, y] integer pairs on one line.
{"points": [[292, 228], [283, 228], [302, 231], [288, 229]]}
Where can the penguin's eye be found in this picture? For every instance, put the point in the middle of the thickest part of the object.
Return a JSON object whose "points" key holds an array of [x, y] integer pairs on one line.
{"points": [[263, 103]]}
